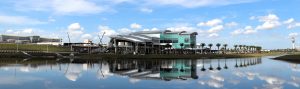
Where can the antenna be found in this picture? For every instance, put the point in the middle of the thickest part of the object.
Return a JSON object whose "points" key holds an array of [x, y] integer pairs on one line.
{"points": [[69, 37], [293, 43], [100, 38], [69, 44]]}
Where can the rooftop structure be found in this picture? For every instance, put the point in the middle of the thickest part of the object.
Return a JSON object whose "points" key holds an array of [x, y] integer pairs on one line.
{"points": [[152, 41], [28, 39]]}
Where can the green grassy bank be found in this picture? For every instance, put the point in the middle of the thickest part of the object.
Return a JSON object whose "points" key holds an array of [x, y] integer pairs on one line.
{"points": [[32, 47], [290, 58], [177, 56]]}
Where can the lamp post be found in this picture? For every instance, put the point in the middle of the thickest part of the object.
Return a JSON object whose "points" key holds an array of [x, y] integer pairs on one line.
{"points": [[18, 42]]}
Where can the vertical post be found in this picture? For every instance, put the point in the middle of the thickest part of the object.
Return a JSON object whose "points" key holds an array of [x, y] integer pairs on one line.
{"points": [[18, 42], [47, 48], [145, 47], [116, 46]]}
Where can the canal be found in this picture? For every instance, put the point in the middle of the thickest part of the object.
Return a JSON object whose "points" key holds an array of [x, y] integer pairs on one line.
{"points": [[245, 73]]}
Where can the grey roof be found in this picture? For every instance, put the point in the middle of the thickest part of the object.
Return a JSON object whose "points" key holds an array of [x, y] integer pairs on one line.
{"points": [[142, 37], [147, 32]]}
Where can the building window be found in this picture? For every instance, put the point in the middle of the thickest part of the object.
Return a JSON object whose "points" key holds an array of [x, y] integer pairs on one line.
{"points": [[186, 40]]}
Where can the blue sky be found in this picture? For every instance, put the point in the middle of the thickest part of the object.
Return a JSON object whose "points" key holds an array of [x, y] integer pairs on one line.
{"points": [[269, 23]]}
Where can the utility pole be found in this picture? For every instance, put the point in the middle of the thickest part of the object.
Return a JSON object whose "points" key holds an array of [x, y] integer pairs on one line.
{"points": [[18, 42], [69, 41], [293, 44], [100, 38]]}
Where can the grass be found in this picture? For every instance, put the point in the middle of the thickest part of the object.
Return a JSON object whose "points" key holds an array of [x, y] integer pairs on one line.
{"points": [[33, 47], [170, 56], [290, 58]]}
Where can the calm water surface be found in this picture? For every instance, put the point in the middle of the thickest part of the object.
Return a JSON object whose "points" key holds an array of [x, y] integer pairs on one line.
{"points": [[246, 73]]}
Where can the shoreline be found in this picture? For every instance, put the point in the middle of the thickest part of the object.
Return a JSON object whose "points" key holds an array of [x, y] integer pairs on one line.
{"points": [[295, 58], [148, 56]]}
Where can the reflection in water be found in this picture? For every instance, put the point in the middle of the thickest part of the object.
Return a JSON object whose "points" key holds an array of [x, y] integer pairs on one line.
{"points": [[209, 73], [164, 70]]}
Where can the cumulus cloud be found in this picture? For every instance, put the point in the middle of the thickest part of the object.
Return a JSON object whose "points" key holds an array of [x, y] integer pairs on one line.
{"points": [[269, 21], [61, 7], [216, 29], [231, 24], [146, 10], [213, 35], [249, 30], [19, 20], [75, 29], [125, 31], [87, 36], [108, 31], [294, 25], [196, 3], [246, 30], [293, 35], [22, 32], [152, 29], [213, 22], [135, 26], [291, 23]]}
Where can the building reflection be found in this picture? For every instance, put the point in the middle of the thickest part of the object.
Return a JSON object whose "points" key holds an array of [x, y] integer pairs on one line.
{"points": [[135, 69], [158, 70]]}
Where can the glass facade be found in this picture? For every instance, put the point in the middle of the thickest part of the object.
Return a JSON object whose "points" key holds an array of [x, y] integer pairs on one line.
{"points": [[176, 39]]}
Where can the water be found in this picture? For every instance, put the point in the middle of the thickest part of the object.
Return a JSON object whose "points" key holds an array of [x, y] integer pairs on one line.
{"points": [[245, 73]]}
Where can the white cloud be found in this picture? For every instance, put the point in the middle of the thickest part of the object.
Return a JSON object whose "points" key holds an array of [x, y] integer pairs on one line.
{"points": [[75, 29], [237, 32], [270, 21], [289, 21], [125, 31], [293, 25], [108, 31], [213, 35], [146, 10], [211, 23], [22, 32], [246, 30], [61, 7], [291, 35], [86, 36], [249, 30], [135, 26], [215, 29], [75, 6], [75, 32], [196, 3], [153, 29], [231, 24], [19, 20]]}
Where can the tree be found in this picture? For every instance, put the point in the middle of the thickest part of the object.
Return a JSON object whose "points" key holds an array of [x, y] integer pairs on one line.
{"points": [[210, 45], [240, 46], [202, 46], [218, 45], [225, 47], [181, 45], [169, 46], [193, 46], [248, 49], [235, 48], [258, 49]]}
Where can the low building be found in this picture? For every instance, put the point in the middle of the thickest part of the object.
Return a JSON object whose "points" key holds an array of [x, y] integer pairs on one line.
{"points": [[29, 39], [152, 41]]}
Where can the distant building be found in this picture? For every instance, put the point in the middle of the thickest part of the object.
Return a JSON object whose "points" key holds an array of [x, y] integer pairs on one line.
{"points": [[152, 41], [29, 39]]}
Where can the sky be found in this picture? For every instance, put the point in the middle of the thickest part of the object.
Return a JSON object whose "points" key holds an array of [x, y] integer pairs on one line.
{"points": [[267, 23]]}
